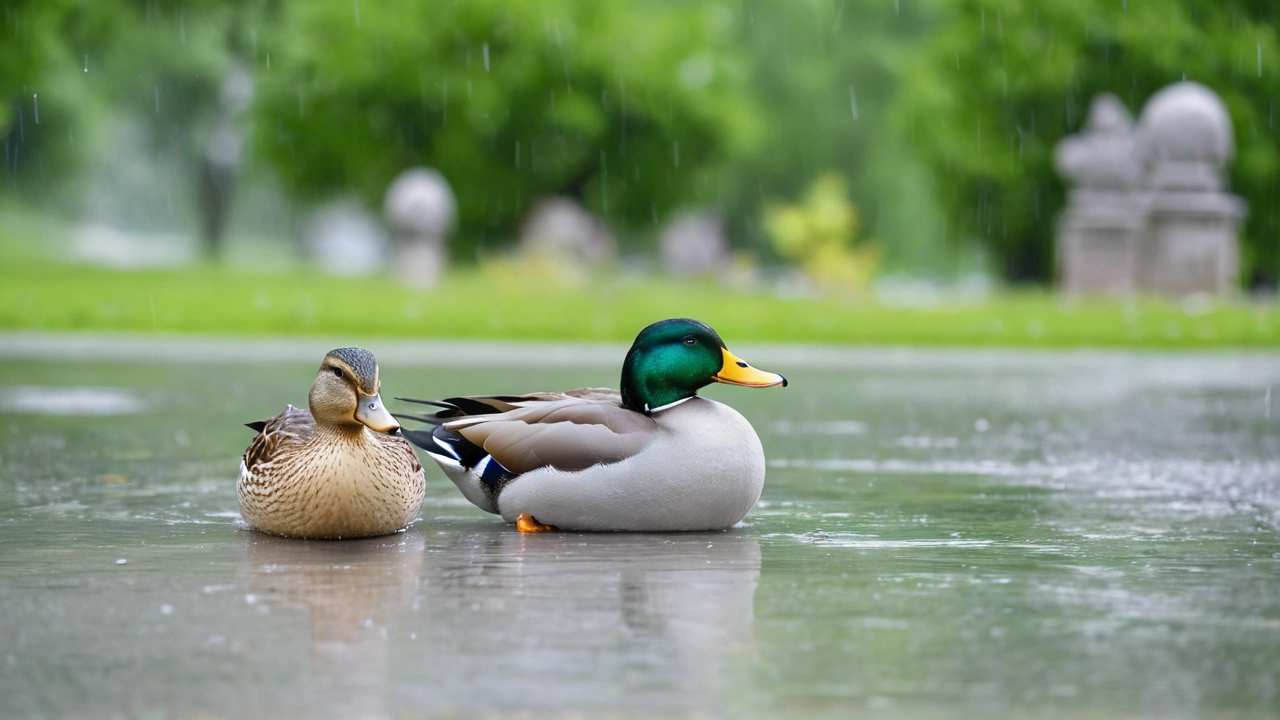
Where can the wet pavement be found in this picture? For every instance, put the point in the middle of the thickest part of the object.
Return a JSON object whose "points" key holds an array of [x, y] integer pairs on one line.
{"points": [[942, 534]]}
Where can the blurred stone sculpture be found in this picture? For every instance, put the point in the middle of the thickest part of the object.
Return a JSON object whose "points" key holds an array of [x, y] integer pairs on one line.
{"points": [[220, 162], [344, 238], [1146, 211], [1192, 239], [559, 228], [420, 209], [693, 243], [1098, 233]]}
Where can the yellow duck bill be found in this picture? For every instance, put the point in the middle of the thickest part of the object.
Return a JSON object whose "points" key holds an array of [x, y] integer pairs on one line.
{"points": [[738, 372]]}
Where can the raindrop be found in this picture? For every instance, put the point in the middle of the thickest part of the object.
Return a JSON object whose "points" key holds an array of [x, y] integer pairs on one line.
{"points": [[356, 3], [182, 28], [35, 105], [853, 103], [166, 609], [157, 99], [1259, 59], [485, 49], [897, 9], [676, 145], [86, 62], [1267, 402], [121, 561], [653, 208], [517, 154], [981, 425]]}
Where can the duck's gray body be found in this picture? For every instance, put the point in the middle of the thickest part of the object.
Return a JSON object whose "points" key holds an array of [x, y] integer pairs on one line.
{"points": [[581, 461]]}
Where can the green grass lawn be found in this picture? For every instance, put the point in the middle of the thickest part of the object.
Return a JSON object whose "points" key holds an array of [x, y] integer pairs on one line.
{"points": [[39, 294]]}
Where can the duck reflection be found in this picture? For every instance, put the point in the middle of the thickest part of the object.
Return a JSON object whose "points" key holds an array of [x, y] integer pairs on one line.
{"points": [[352, 591], [466, 622], [578, 621]]}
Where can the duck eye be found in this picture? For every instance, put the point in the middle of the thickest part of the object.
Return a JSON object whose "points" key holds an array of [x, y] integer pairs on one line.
{"points": [[690, 340], [337, 372]]}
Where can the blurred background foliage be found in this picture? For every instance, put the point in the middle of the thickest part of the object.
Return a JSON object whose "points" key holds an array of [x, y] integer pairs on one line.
{"points": [[1000, 82], [940, 116], [820, 235]]}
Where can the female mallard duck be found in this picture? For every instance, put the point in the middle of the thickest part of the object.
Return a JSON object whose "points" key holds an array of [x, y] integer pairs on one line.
{"points": [[654, 456], [338, 471]]}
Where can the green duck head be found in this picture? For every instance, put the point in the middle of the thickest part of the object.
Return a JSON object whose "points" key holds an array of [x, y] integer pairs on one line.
{"points": [[671, 359]]}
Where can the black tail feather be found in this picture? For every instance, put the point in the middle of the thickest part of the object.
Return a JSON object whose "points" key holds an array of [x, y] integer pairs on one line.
{"points": [[427, 402], [421, 438], [428, 419]]}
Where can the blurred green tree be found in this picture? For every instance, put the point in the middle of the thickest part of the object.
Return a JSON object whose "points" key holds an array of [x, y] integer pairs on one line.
{"points": [[634, 108], [1001, 81], [820, 234], [825, 72], [71, 69], [42, 116]]}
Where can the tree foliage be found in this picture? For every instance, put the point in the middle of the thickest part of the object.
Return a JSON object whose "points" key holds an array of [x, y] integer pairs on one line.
{"points": [[825, 72], [633, 108], [1001, 81]]}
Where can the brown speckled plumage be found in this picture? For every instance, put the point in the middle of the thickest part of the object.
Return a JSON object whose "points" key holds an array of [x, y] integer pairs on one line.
{"points": [[298, 481], [336, 471]]}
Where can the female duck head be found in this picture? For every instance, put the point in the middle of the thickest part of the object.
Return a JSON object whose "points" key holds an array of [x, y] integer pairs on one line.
{"points": [[671, 359], [345, 392]]}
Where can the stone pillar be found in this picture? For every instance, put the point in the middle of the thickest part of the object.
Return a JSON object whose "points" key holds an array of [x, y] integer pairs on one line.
{"points": [[420, 210], [693, 243], [1191, 243], [1099, 232], [559, 229]]}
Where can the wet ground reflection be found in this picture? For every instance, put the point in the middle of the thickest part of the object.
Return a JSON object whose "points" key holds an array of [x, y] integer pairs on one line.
{"points": [[1050, 535]]}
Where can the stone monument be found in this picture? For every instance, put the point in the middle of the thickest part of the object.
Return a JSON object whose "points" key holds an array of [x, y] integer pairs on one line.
{"points": [[344, 238], [560, 229], [1099, 230], [1191, 244], [1147, 212], [420, 209], [693, 243]]}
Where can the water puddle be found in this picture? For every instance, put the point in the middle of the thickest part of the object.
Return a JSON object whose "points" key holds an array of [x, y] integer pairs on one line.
{"points": [[72, 401], [936, 538]]}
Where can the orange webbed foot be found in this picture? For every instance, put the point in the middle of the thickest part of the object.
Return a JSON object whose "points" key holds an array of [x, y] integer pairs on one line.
{"points": [[526, 523]]}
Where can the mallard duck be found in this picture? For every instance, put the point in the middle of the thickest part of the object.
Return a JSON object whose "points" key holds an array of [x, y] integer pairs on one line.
{"points": [[653, 456], [339, 471]]}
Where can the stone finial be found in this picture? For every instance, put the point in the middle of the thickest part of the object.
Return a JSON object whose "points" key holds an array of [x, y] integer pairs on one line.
{"points": [[560, 227], [1185, 136], [344, 238], [1104, 155], [420, 202], [693, 243], [420, 209], [1147, 211]]}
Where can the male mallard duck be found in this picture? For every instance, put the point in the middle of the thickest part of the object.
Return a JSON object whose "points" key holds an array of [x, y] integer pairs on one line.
{"points": [[654, 456], [338, 471]]}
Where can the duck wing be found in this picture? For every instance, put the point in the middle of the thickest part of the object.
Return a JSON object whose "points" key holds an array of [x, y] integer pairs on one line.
{"points": [[568, 431], [292, 427], [457, 407]]}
